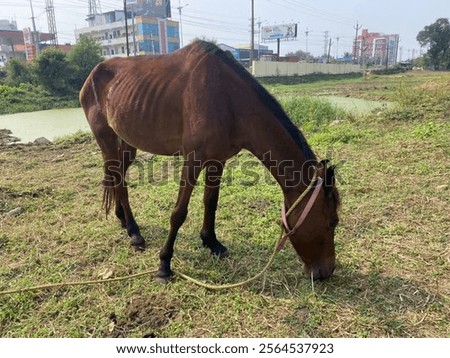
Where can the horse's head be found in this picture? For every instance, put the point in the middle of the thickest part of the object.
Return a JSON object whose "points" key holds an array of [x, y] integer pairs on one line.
{"points": [[314, 239]]}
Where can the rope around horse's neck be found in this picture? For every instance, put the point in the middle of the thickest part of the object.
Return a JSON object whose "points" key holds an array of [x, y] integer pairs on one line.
{"points": [[176, 273]]}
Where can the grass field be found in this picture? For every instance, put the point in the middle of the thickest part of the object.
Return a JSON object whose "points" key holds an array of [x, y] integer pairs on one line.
{"points": [[393, 254]]}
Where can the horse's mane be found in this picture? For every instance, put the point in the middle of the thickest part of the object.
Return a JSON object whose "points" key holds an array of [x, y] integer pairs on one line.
{"points": [[266, 98]]}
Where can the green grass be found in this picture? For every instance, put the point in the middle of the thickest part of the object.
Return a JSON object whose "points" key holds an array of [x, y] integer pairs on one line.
{"points": [[371, 87], [392, 278]]}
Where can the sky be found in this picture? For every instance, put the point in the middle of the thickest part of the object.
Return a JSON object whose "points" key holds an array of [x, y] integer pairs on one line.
{"points": [[228, 21]]}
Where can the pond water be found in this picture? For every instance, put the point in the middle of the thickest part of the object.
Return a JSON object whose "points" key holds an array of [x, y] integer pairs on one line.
{"points": [[356, 105], [49, 124], [59, 122]]}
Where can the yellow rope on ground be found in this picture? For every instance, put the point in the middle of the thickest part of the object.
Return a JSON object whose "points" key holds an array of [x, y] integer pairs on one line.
{"points": [[145, 273], [76, 283], [232, 285]]}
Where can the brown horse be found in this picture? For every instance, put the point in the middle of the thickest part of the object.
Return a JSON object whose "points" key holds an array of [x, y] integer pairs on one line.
{"points": [[199, 102]]}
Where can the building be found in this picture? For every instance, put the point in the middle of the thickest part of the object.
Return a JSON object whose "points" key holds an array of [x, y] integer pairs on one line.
{"points": [[376, 49], [147, 34], [11, 42], [15, 43]]}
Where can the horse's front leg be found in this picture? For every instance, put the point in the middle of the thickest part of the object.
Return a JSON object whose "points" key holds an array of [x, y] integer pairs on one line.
{"points": [[189, 176], [213, 175]]}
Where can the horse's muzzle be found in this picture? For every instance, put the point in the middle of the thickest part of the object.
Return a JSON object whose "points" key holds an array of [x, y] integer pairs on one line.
{"points": [[321, 271]]}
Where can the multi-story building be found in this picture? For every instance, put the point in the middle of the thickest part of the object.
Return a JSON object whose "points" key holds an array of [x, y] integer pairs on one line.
{"points": [[146, 34], [21, 44], [11, 41], [373, 48]]}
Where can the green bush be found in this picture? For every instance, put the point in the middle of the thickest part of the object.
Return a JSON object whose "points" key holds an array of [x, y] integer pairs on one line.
{"points": [[323, 123], [84, 57], [18, 71], [310, 113], [54, 72]]}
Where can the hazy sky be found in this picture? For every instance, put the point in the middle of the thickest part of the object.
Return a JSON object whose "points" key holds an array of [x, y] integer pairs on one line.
{"points": [[228, 21]]}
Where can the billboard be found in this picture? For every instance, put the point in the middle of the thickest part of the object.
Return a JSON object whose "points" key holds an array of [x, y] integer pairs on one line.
{"points": [[279, 32], [151, 8]]}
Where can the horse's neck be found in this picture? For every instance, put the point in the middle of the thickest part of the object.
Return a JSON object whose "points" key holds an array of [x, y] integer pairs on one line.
{"points": [[280, 154]]}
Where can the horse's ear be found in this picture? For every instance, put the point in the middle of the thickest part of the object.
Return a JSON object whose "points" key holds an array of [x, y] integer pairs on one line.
{"points": [[330, 179]]}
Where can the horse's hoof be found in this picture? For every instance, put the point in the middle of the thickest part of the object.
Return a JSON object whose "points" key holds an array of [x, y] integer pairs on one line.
{"points": [[220, 251], [217, 249], [138, 242], [163, 278]]}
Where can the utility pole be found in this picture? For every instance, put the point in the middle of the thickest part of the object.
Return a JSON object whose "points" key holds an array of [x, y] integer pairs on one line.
{"points": [[259, 39], [307, 35], [387, 53], [278, 49], [325, 47], [329, 52], [34, 37], [126, 26], [134, 30], [181, 23], [355, 51], [337, 46], [252, 40], [363, 52]]}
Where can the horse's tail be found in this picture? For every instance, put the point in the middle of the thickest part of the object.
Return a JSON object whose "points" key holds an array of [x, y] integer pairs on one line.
{"points": [[109, 190], [118, 158], [93, 100]]}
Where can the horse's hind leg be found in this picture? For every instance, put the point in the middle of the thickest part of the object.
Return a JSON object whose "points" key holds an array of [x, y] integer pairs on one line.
{"points": [[127, 154], [123, 209], [213, 174], [117, 157]]}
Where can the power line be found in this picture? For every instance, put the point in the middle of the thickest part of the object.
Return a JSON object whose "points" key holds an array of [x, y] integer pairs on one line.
{"points": [[295, 6]]}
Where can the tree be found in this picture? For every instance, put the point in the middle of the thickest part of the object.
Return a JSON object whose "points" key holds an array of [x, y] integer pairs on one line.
{"points": [[348, 55], [17, 72], [54, 72], [84, 57], [302, 55], [437, 37]]}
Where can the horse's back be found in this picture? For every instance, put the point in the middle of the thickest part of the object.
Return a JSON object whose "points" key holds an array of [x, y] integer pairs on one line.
{"points": [[161, 104]]}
